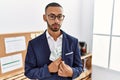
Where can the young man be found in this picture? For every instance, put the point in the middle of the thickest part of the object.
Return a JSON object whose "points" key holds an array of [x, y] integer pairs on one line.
{"points": [[54, 55]]}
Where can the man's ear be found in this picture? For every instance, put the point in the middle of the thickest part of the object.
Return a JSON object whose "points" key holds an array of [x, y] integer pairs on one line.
{"points": [[44, 18]]}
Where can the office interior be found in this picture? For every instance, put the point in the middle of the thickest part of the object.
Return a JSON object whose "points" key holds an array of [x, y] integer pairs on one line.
{"points": [[95, 22]]}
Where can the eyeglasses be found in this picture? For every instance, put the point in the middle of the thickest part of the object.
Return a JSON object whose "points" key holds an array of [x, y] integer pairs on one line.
{"points": [[60, 17]]}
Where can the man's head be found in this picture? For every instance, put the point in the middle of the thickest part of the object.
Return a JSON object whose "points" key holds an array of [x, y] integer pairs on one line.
{"points": [[54, 16]]}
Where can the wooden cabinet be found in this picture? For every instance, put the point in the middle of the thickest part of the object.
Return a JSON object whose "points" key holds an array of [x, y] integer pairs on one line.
{"points": [[87, 67]]}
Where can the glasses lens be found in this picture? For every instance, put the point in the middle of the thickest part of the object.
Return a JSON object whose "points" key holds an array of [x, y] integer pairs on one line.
{"points": [[60, 17], [51, 17]]}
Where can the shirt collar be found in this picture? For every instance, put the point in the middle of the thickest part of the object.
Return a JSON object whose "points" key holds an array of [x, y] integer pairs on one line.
{"points": [[49, 36]]}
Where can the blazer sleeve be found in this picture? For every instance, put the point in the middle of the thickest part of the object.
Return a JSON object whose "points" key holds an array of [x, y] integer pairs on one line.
{"points": [[77, 64], [31, 69]]}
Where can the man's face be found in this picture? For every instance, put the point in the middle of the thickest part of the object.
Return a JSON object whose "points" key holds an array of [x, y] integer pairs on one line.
{"points": [[54, 18]]}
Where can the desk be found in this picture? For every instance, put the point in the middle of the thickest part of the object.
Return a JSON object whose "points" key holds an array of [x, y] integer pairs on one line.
{"points": [[86, 74]]}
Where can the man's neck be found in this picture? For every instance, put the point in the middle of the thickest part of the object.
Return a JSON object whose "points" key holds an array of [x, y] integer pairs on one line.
{"points": [[55, 35]]}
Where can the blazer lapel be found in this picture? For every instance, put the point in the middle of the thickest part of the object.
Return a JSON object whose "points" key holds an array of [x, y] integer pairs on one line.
{"points": [[45, 44], [64, 45]]}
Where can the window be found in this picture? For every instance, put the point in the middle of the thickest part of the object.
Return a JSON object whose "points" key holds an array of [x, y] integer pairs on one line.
{"points": [[106, 34]]}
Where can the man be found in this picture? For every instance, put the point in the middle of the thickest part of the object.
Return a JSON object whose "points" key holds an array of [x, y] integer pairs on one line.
{"points": [[54, 55]]}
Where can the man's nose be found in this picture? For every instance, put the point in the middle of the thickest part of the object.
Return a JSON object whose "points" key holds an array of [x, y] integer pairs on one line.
{"points": [[56, 20]]}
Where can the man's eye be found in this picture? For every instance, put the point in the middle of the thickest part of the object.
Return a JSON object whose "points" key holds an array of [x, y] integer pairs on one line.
{"points": [[60, 16], [52, 16]]}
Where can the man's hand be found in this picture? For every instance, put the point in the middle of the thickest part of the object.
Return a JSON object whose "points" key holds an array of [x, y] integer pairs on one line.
{"points": [[65, 70], [54, 66]]}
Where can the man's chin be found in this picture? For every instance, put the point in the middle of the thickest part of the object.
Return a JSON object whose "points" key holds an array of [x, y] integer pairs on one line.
{"points": [[55, 30]]}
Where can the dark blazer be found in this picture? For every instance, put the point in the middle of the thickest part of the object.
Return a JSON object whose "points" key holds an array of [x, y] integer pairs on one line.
{"points": [[38, 53]]}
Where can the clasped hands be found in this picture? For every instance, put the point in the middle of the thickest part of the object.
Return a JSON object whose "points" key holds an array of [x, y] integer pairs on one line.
{"points": [[59, 66]]}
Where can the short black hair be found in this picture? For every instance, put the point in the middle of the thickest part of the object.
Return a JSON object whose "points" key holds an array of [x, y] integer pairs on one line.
{"points": [[53, 4]]}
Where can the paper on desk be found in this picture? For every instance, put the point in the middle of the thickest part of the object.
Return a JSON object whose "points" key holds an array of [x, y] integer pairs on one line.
{"points": [[14, 44], [10, 63]]}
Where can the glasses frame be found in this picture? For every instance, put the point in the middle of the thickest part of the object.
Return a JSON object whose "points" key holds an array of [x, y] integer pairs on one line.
{"points": [[56, 17]]}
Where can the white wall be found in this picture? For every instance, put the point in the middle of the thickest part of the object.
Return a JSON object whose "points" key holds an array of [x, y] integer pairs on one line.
{"points": [[19, 15], [26, 15], [86, 22]]}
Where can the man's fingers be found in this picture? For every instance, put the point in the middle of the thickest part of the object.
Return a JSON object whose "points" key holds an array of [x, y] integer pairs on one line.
{"points": [[60, 71], [63, 65], [58, 61]]}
